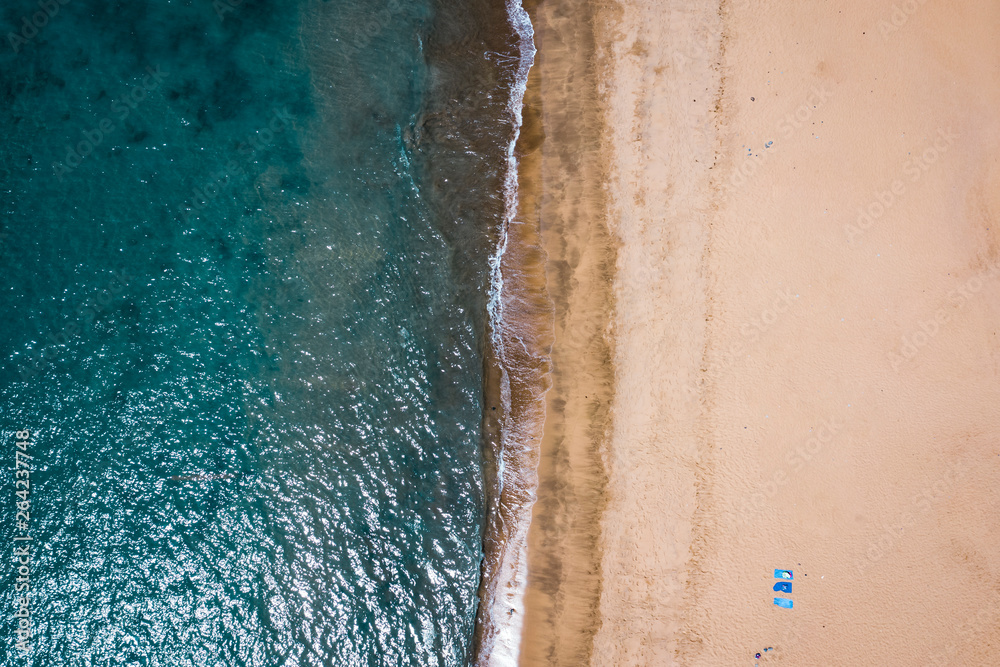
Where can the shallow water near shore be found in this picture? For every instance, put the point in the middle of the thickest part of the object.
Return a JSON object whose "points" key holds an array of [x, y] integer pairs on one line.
{"points": [[246, 323]]}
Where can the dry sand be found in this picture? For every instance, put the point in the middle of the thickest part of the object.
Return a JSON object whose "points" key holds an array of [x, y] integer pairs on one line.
{"points": [[791, 384]]}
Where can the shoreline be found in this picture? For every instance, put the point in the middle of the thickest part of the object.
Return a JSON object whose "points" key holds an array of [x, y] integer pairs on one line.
{"points": [[516, 376]]}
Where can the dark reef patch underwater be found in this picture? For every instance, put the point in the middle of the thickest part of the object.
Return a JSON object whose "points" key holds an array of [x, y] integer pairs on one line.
{"points": [[246, 248]]}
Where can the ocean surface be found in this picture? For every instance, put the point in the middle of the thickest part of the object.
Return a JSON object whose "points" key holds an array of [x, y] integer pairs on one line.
{"points": [[246, 272]]}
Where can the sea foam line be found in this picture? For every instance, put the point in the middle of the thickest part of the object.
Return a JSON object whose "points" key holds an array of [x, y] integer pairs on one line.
{"points": [[504, 640]]}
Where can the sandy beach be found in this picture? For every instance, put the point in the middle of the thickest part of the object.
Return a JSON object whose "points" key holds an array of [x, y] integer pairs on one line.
{"points": [[564, 552], [772, 248]]}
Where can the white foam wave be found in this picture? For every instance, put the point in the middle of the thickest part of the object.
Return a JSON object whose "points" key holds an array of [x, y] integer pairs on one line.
{"points": [[504, 635]]}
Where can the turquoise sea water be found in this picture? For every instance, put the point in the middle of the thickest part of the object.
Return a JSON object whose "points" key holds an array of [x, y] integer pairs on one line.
{"points": [[243, 322]]}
